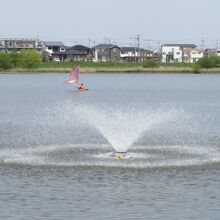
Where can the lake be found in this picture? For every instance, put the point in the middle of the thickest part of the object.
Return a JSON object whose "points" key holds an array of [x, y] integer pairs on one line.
{"points": [[57, 146]]}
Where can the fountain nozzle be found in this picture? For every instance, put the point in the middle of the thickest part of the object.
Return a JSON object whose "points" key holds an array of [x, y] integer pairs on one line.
{"points": [[121, 155]]}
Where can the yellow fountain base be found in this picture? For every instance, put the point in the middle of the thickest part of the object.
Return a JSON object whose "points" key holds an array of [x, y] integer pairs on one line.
{"points": [[122, 156]]}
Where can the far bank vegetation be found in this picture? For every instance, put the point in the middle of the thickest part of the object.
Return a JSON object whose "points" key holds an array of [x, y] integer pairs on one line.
{"points": [[27, 60]]}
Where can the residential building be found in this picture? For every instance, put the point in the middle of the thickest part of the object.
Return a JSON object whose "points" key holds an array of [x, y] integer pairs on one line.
{"points": [[18, 44], [192, 55], [75, 53], [157, 54], [106, 53], [212, 52], [53, 47], [174, 53], [133, 54]]}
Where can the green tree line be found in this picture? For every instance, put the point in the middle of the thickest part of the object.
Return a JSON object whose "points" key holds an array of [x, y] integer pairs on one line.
{"points": [[209, 62], [27, 59], [31, 59], [206, 62]]}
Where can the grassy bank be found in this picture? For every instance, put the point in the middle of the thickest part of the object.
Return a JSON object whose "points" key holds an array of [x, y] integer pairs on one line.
{"points": [[31, 61], [92, 67]]}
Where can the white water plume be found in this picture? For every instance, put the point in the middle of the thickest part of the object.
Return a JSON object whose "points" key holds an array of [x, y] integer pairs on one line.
{"points": [[143, 157], [122, 127]]}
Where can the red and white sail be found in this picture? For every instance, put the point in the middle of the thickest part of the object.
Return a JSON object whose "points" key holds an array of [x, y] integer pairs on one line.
{"points": [[73, 76]]}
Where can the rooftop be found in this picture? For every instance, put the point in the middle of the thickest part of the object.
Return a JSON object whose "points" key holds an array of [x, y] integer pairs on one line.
{"points": [[133, 49], [80, 47], [180, 45], [105, 46], [53, 43]]}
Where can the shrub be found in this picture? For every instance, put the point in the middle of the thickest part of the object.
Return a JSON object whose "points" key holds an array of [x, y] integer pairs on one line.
{"points": [[209, 62], [29, 59], [14, 58], [5, 61], [196, 68], [150, 64]]}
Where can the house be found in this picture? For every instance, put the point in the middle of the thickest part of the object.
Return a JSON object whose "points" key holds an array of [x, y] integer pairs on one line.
{"points": [[174, 53], [18, 44], [212, 52], [133, 54], [106, 53], [157, 54], [53, 47], [192, 55], [75, 53]]}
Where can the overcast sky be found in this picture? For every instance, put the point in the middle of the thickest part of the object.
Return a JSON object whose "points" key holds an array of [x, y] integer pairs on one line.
{"points": [[115, 21]]}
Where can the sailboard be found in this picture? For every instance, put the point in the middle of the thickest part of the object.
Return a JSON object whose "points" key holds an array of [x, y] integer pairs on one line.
{"points": [[73, 77]]}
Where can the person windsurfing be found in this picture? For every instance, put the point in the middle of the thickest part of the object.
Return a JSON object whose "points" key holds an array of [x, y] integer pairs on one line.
{"points": [[81, 87], [73, 78]]}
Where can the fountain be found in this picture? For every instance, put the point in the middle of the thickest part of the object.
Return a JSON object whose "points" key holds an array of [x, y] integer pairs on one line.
{"points": [[118, 136], [156, 124], [121, 127]]}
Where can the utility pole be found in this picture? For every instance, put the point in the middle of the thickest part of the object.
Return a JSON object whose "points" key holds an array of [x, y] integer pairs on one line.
{"points": [[159, 50], [107, 40], [203, 43], [138, 45], [89, 41], [148, 43], [158, 43], [135, 50]]}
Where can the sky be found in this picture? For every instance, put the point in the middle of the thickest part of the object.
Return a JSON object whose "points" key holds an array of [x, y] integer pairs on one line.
{"points": [[90, 22]]}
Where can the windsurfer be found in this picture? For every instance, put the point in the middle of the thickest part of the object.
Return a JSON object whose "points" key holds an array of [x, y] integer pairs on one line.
{"points": [[81, 87]]}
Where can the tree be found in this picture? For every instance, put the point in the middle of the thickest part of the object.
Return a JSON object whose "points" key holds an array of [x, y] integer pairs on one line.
{"points": [[14, 58], [29, 59], [5, 61], [150, 64], [45, 56], [209, 62]]}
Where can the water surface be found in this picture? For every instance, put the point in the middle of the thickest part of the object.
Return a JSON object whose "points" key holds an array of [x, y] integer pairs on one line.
{"points": [[57, 146]]}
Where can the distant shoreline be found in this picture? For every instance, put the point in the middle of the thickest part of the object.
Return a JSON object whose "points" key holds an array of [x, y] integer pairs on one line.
{"points": [[114, 70]]}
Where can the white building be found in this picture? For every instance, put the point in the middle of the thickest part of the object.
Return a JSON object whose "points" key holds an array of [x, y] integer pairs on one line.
{"points": [[174, 53], [192, 55], [212, 52], [133, 54], [53, 46], [18, 44]]}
